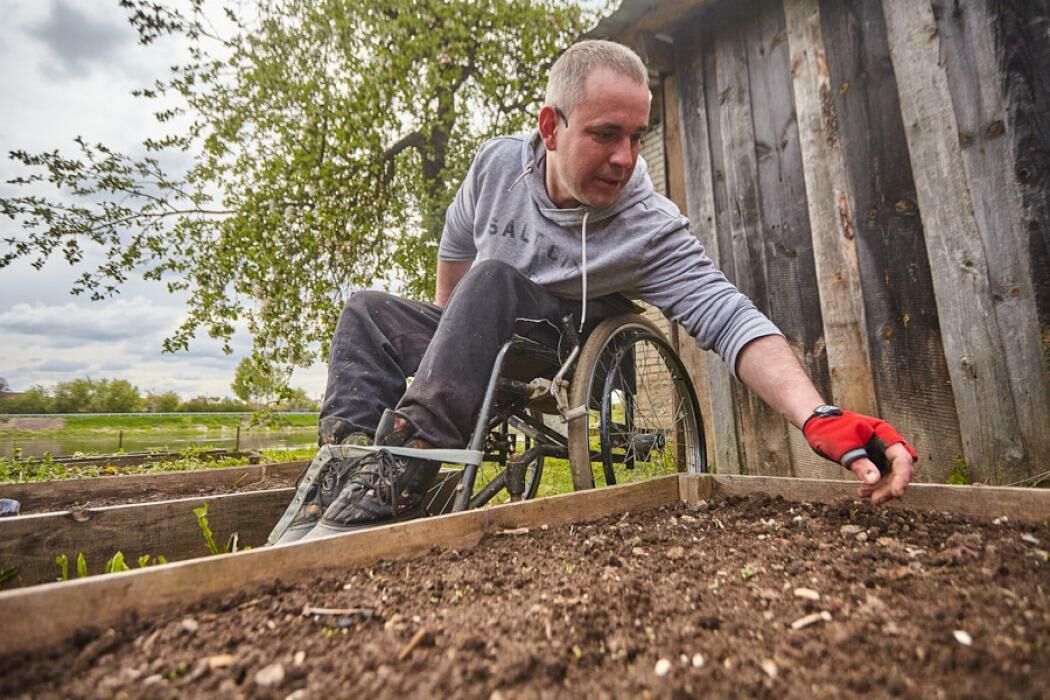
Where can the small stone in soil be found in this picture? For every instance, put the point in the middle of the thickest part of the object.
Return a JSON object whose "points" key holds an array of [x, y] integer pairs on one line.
{"points": [[808, 620], [963, 638], [770, 668], [850, 529], [220, 661], [807, 593], [189, 625], [663, 667], [271, 676], [698, 660], [1030, 539]]}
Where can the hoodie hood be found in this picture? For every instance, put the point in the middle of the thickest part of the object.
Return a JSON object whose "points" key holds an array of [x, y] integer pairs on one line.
{"points": [[533, 169]]}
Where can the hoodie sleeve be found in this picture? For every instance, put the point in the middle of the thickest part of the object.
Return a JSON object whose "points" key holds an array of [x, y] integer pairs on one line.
{"points": [[679, 279], [457, 238]]}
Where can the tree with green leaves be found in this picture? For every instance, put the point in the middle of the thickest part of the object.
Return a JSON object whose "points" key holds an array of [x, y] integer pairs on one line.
{"points": [[327, 140], [258, 381]]}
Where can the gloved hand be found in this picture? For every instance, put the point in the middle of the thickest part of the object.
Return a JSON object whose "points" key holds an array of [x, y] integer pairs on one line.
{"points": [[845, 436]]}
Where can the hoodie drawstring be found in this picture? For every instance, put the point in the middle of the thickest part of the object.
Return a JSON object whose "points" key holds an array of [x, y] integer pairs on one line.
{"points": [[583, 303], [524, 172]]}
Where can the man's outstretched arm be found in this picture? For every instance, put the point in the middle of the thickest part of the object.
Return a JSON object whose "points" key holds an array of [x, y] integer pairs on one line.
{"points": [[449, 273], [769, 368]]}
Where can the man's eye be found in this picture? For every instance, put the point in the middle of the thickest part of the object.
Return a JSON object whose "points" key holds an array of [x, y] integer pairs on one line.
{"points": [[636, 139], [605, 136]]}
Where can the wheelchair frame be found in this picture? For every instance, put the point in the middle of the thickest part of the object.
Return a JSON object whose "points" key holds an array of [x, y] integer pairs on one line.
{"points": [[528, 380]]}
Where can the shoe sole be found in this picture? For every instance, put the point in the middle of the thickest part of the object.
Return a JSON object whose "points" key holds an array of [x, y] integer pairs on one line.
{"points": [[323, 530], [277, 535]]}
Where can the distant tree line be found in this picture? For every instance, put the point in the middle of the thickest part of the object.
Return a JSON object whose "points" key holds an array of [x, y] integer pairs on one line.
{"points": [[121, 396]]}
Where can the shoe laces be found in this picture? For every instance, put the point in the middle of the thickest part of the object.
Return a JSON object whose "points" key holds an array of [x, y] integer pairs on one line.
{"points": [[380, 473], [337, 471]]}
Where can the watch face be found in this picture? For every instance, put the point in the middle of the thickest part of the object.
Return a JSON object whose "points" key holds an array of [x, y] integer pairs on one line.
{"points": [[825, 411]]}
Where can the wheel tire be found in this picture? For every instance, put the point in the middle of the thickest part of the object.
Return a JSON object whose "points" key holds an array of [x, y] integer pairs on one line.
{"points": [[660, 437]]}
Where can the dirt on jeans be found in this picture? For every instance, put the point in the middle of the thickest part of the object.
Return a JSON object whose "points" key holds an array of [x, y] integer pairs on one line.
{"points": [[735, 597]]}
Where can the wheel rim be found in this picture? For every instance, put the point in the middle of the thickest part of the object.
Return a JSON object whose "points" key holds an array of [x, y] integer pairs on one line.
{"points": [[643, 409]]}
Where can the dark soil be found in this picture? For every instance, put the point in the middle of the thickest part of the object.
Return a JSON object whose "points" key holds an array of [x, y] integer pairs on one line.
{"points": [[672, 603], [153, 495]]}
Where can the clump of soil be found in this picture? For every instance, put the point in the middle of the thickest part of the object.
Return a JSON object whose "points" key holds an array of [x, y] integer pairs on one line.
{"points": [[735, 597]]}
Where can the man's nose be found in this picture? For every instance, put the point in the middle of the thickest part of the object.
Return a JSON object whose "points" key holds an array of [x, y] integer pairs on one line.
{"points": [[623, 154]]}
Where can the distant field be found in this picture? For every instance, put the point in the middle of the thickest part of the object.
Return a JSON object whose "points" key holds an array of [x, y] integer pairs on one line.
{"points": [[11, 426]]}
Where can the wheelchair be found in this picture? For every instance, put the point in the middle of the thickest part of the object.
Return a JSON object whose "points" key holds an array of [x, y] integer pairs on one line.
{"points": [[619, 407]]}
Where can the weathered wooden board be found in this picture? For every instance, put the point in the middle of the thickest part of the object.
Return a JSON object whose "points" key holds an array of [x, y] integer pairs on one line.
{"points": [[58, 495], [167, 528], [1023, 46], [691, 355], [992, 441], [973, 69], [828, 200], [904, 335], [699, 181], [764, 431], [31, 622], [987, 502], [794, 298]]}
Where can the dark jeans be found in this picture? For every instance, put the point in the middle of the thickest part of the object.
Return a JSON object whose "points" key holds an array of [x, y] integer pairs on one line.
{"points": [[381, 340]]}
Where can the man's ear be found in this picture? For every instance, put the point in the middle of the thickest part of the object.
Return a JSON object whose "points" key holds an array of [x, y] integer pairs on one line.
{"points": [[549, 124]]}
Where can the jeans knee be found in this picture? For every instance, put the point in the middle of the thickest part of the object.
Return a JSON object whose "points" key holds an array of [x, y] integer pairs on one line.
{"points": [[495, 273], [364, 302]]}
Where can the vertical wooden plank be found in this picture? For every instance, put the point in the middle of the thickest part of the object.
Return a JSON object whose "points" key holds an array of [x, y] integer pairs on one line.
{"points": [[1023, 42], [830, 215], [912, 383], [766, 445], [966, 32], [699, 183], [692, 356], [972, 345], [786, 239]]}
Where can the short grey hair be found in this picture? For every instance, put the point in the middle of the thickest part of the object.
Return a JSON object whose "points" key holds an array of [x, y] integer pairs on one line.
{"points": [[565, 85]]}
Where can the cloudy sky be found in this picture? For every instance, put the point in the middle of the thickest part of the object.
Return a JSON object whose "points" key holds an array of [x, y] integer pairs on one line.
{"points": [[68, 69]]}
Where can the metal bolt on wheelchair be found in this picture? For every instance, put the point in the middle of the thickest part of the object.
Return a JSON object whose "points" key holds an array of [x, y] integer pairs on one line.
{"points": [[619, 408]]}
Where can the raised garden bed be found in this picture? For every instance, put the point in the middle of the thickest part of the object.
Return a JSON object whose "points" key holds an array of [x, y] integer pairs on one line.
{"points": [[95, 492], [625, 592]]}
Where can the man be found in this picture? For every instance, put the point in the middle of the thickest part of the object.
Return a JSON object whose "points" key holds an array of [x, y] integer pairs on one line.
{"points": [[542, 226]]}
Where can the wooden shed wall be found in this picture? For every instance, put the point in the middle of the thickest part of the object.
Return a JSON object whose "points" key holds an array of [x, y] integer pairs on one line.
{"points": [[876, 176]]}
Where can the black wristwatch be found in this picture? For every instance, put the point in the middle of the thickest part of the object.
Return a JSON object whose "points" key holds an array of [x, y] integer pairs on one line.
{"points": [[824, 411]]}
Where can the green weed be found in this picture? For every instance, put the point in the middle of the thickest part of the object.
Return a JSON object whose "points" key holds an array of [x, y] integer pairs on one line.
{"points": [[209, 536], [960, 473]]}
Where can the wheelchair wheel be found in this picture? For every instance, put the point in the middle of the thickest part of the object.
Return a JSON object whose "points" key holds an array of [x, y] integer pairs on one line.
{"points": [[643, 419]]}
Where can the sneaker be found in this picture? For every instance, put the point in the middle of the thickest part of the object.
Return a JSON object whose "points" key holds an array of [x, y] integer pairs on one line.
{"points": [[316, 488], [386, 488]]}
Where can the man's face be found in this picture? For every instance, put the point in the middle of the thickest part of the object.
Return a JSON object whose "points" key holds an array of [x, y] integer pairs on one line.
{"points": [[591, 160]]}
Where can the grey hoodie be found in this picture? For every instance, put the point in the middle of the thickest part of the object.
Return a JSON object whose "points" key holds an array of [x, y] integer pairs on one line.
{"points": [[639, 246]]}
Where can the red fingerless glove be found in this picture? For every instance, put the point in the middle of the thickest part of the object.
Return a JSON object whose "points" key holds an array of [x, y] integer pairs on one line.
{"points": [[848, 437]]}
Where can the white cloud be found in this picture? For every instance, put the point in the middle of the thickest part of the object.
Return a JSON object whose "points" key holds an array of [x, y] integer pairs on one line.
{"points": [[70, 66], [80, 40], [118, 320]]}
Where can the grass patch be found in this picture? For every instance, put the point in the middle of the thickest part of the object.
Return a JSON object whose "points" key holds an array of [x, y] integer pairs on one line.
{"points": [[151, 422]]}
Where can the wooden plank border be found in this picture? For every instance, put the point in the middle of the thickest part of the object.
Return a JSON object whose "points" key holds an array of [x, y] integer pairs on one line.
{"points": [[986, 502], [164, 528], [93, 603], [61, 494]]}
